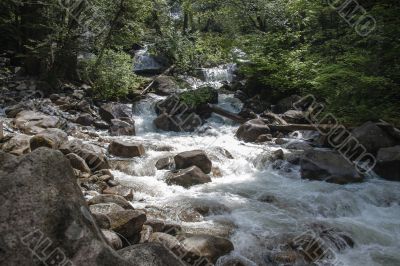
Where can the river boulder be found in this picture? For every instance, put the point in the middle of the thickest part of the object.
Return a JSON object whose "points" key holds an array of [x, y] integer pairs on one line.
{"points": [[51, 138], [193, 158], [188, 177], [207, 246], [372, 137], [127, 223], [122, 128], [31, 122], [112, 239], [78, 163], [17, 145], [84, 120], [251, 130], [126, 149], [388, 163], [47, 219], [329, 166], [294, 117], [117, 199], [149, 254], [109, 111], [164, 85]]}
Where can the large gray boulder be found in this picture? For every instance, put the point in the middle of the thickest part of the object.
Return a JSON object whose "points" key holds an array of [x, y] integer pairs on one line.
{"points": [[150, 254], [251, 130], [42, 205], [329, 166], [373, 137], [31, 122], [190, 158], [388, 163], [188, 177], [17, 145]]}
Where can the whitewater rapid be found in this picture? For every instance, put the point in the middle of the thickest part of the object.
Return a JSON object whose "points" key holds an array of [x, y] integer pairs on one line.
{"points": [[369, 211]]}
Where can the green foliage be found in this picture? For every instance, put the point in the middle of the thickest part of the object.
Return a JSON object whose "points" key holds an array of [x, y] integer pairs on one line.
{"points": [[112, 78], [198, 97]]}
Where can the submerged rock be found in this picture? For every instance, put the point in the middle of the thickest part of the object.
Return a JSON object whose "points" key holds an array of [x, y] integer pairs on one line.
{"points": [[328, 166], [193, 158], [188, 177]]}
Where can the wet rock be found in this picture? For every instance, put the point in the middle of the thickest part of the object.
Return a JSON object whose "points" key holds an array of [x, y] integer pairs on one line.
{"points": [[216, 171], [251, 130], [120, 190], [328, 166], [186, 123], [256, 104], [388, 163], [372, 137], [126, 149], [286, 257], [149, 254], [164, 85], [110, 111], [78, 163], [165, 163], [299, 145], [224, 152], [112, 239], [32, 123], [122, 128], [294, 117], [84, 120], [241, 95], [208, 246], [117, 199], [17, 145], [193, 158], [277, 155], [188, 177], [42, 207], [51, 138], [285, 104], [271, 118], [127, 223], [280, 141], [264, 138], [105, 208], [101, 125]]}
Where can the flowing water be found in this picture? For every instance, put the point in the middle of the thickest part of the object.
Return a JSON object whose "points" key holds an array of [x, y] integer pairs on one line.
{"points": [[143, 61], [369, 212]]}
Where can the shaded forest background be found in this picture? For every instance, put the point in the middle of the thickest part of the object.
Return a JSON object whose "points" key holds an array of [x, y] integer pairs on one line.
{"points": [[290, 47]]}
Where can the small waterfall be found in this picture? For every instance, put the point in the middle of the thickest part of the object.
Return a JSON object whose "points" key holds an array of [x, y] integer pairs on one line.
{"points": [[219, 74], [144, 62]]}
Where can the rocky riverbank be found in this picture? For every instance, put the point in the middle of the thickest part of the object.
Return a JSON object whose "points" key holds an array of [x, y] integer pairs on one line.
{"points": [[60, 154]]}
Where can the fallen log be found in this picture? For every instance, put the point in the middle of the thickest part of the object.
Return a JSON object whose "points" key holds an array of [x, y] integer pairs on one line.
{"points": [[237, 118]]}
